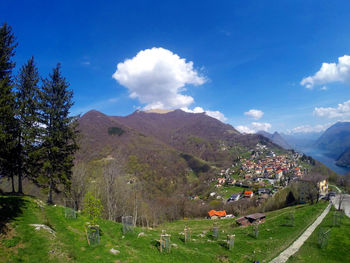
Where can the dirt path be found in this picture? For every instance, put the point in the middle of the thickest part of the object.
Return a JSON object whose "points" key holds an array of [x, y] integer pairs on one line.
{"points": [[283, 257]]}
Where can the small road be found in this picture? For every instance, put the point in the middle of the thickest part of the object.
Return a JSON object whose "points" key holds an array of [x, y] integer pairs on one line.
{"points": [[336, 187], [284, 256], [345, 205]]}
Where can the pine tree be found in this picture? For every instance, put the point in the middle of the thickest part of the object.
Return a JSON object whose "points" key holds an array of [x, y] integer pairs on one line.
{"points": [[28, 119], [8, 123], [58, 140]]}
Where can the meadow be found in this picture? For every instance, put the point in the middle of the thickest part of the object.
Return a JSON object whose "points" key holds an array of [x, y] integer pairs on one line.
{"points": [[21, 243]]}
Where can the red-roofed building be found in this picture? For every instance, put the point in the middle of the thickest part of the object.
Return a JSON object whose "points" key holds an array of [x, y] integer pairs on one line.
{"points": [[279, 174], [248, 194], [216, 214]]}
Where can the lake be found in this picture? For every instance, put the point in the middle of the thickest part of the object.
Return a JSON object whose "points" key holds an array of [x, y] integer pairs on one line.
{"points": [[321, 157]]}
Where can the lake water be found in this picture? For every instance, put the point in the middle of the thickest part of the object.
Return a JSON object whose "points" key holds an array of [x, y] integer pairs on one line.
{"points": [[329, 162]]}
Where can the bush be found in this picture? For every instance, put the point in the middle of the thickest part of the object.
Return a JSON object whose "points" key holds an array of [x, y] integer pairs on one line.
{"points": [[115, 131], [11, 242], [92, 208]]}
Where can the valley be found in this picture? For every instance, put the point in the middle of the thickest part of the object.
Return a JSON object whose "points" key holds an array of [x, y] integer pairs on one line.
{"points": [[329, 147], [190, 131], [321, 156]]}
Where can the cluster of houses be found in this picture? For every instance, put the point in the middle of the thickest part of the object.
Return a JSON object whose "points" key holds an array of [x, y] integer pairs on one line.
{"points": [[264, 165], [273, 167], [263, 173], [263, 168]]}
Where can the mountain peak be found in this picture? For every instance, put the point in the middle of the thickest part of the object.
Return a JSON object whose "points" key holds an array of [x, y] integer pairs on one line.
{"points": [[275, 138], [93, 113]]}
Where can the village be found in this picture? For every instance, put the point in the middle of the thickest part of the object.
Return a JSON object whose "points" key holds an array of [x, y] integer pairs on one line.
{"points": [[261, 174]]}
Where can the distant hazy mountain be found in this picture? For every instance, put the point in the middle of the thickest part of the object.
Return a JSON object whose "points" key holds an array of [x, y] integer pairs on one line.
{"points": [[335, 140], [276, 138], [300, 141]]}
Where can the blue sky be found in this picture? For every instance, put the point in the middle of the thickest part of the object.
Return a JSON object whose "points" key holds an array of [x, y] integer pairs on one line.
{"points": [[249, 57]]}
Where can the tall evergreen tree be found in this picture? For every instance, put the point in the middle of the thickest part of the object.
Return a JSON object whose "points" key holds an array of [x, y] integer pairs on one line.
{"points": [[8, 124], [28, 119], [58, 140]]}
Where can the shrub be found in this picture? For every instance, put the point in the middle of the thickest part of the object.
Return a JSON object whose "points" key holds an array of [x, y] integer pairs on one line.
{"points": [[115, 131], [11, 242], [92, 208]]}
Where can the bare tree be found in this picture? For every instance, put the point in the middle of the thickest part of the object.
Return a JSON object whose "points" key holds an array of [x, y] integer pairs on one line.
{"points": [[114, 188], [341, 197], [344, 182], [313, 189], [138, 170], [79, 183]]}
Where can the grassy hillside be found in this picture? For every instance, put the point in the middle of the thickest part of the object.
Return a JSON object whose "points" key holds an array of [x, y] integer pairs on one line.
{"points": [[338, 244], [21, 243]]}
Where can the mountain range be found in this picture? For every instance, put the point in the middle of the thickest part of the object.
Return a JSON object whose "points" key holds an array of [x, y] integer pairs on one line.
{"points": [[333, 143], [171, 142], [300, 141], [181, 141]]}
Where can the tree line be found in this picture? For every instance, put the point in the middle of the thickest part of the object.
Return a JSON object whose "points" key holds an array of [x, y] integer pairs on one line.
{"points": [[37, 132]]}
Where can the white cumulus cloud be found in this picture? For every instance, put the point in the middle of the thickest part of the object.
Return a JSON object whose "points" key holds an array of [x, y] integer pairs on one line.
{"points": [[215, 114], [254, 127], [330, 72], [255, 114], [341, 111], [157, 77], [310, 128], [244, 129], [261, 126]]}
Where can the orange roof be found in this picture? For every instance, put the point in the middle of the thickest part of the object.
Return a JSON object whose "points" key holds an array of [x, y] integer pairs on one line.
{"points": [[217, 213], [279, 171], [248, 193]]}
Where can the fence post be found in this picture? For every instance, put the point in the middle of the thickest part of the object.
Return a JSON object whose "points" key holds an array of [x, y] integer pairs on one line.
{"points": [[127, 224], [70, 209], [165, 242], [230, 241], [215, 231], [187, 232]]}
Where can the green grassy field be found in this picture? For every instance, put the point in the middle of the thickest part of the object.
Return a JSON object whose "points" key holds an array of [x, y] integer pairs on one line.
{"points": [[338, 249], [227, 191], [22, 243]]}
